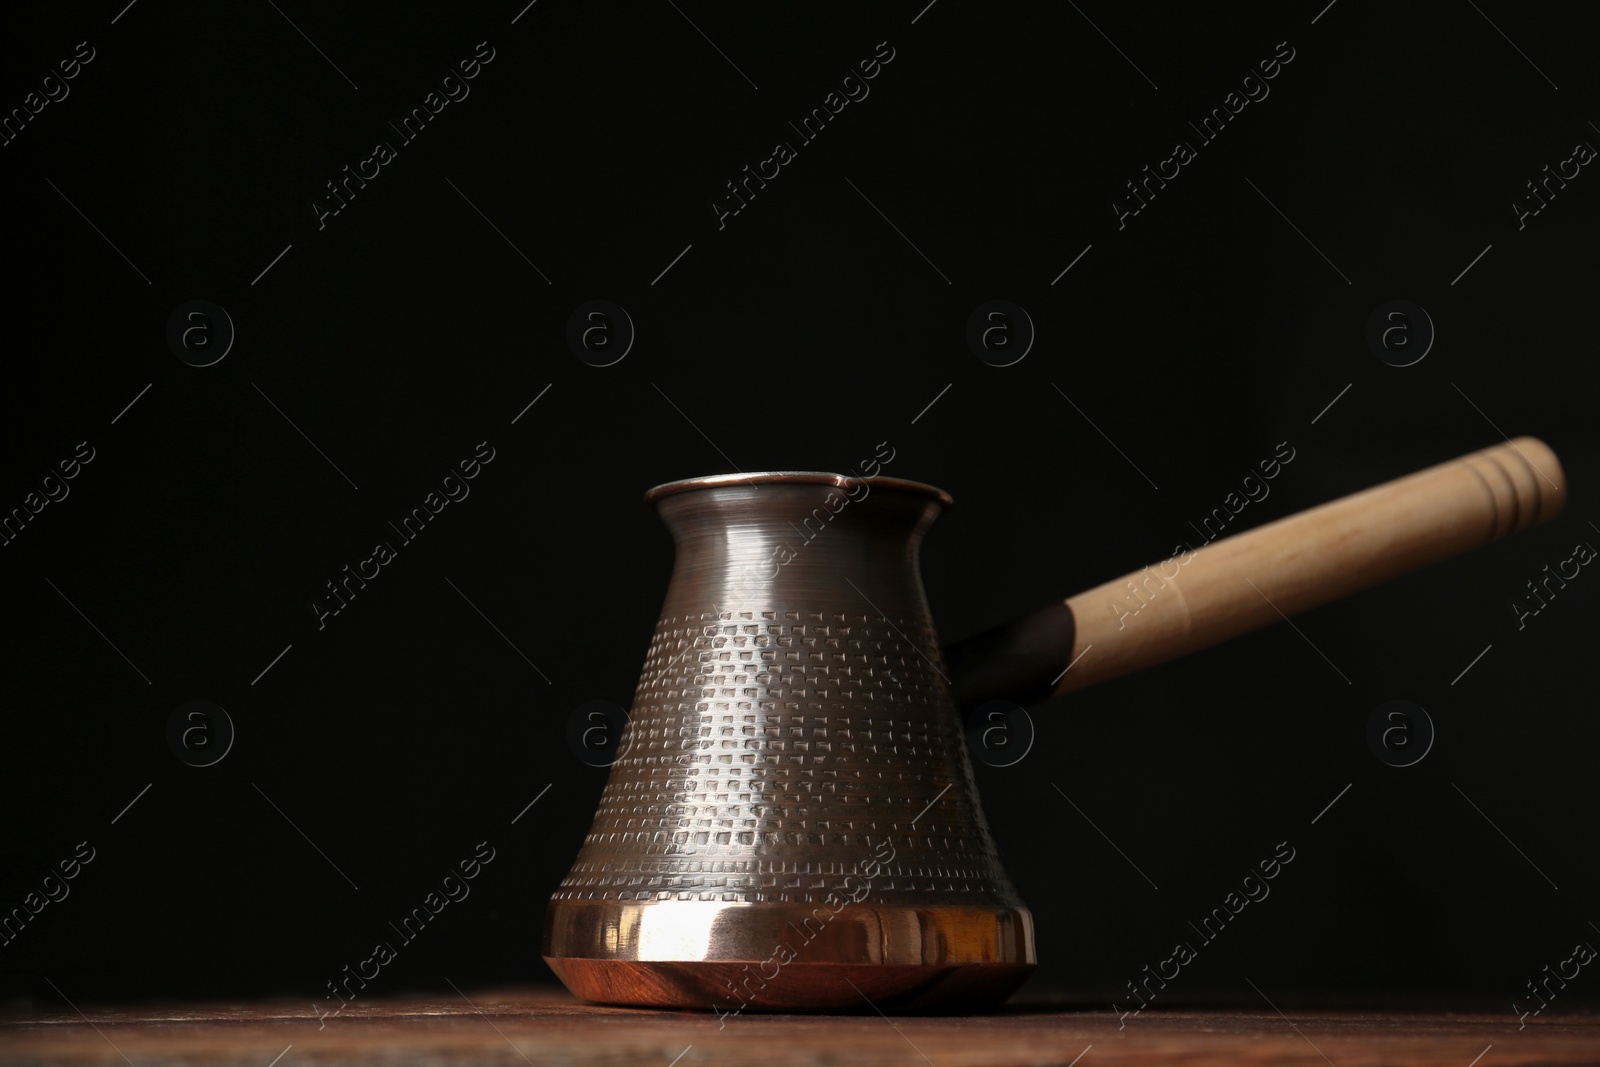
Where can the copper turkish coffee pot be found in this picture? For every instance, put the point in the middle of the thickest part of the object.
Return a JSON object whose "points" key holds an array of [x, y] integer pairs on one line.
{"points": [[792, 822]]}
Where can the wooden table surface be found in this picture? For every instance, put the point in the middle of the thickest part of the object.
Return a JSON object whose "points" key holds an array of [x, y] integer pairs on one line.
{"points": [[546, 1027]]}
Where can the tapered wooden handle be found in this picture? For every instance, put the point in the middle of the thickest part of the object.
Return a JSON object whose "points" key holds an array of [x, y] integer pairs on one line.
{"points": [[1212, 591], [1239, 583]]}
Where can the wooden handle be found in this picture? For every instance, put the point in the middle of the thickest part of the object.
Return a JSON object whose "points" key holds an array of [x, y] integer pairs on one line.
{"points": [[1211, 592], [1237, 584]]}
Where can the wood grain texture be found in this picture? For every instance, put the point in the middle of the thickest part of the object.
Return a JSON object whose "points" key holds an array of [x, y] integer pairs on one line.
{"points": [[547, 1027]]}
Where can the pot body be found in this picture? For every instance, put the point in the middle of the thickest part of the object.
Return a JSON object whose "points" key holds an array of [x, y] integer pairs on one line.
{"points": [[792, 823]]}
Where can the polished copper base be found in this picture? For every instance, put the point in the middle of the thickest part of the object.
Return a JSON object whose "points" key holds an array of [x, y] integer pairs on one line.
{"points": [[738, 957], [839, 988]]}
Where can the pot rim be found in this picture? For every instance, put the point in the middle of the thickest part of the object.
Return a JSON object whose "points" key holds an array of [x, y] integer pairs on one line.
{"points": [[756, 478]]}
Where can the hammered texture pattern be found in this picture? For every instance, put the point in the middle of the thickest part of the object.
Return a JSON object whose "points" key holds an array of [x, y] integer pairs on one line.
{"points": [[771, 754]]}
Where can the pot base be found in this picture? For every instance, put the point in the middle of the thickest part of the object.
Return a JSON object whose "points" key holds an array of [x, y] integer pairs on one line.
{"points": [[728, 956], [840, 988]]}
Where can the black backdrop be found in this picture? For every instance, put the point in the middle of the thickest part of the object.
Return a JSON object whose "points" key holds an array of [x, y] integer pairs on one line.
{"points": [[375, 351]]}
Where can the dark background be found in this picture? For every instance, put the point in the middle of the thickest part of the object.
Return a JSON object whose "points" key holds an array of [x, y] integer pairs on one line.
{"points": [[407, 330]]}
